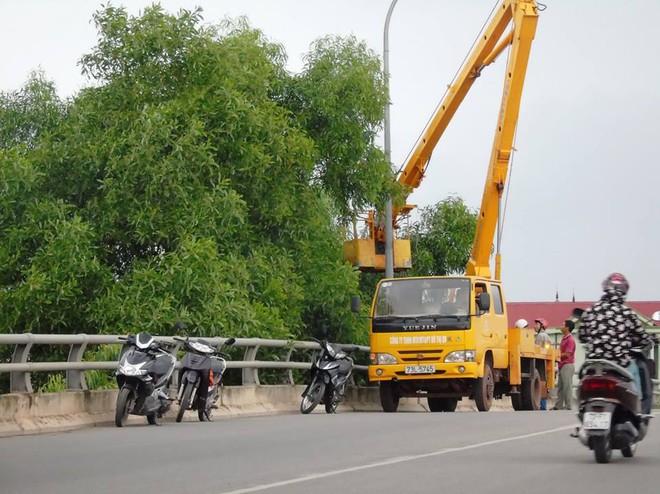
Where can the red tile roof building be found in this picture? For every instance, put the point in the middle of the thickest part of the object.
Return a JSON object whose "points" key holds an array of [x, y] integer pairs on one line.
{"points": [[557, 312]]}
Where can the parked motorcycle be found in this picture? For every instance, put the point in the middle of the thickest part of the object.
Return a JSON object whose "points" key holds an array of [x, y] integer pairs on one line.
{"points": [[611, 410], [143, 376], [329, 375], [201, 371]]}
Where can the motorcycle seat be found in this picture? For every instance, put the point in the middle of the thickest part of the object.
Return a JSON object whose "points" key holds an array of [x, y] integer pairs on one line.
{"points": [[601, 366]]}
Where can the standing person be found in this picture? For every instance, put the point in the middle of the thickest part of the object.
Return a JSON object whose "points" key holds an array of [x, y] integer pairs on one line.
{"points": [[566, 368], [543, 340], [610, 329]]}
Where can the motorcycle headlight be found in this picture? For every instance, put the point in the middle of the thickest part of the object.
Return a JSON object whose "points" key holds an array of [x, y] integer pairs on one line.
{"points": [[132, 370], [460, 356], [382, 358], [201, 347], [331, 351]]}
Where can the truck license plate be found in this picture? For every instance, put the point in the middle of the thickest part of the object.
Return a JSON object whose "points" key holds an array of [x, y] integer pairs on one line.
{"points": [[597, 421], [420, 369]]}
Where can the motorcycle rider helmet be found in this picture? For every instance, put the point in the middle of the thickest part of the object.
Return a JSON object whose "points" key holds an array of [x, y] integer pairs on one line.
{"points": [[616, 281], [544, 323]]}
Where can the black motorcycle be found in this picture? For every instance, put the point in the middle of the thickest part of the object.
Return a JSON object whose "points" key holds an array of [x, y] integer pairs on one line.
{"points": [[201, 371], [143, 376], [329, 375], [612, 413]]}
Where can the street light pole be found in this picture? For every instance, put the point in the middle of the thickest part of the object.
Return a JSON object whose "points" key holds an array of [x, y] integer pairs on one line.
{"points": [[389, 234]]}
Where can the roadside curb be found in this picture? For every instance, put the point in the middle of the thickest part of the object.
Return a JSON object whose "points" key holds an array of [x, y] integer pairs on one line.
{"points": [[28, 414]]}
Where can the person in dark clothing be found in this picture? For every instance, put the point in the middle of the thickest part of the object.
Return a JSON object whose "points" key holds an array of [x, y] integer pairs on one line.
{"points": [[610, 329]]}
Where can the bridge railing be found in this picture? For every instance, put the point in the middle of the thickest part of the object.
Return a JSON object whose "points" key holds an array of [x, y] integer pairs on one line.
{"points": [[21, 367]]}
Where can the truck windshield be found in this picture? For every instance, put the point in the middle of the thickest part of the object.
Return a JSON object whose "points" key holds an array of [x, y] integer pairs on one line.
{"points": [[420, 297]]}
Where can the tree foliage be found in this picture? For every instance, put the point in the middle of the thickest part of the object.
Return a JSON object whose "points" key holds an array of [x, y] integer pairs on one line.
{"points": [[30, 112], [340, 101], [442, 238], [195, 179]]}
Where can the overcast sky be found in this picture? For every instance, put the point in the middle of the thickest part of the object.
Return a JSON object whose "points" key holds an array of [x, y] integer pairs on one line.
{"points": [[583, 200]]}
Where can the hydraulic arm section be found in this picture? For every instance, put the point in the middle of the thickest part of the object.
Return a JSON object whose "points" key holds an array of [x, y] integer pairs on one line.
{"points": [[521, 15]]}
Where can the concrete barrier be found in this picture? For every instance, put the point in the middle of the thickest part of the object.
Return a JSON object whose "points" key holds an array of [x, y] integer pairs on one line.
{"points": [[25, 413]]}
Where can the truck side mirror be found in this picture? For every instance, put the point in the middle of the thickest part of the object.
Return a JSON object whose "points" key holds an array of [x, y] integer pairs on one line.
{"points": [[355, 304], [483, 302]]}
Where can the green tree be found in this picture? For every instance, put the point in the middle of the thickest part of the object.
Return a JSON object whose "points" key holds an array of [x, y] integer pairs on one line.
{"points": [[340, 99], [190, 181], [442, 238], [30, 112]]}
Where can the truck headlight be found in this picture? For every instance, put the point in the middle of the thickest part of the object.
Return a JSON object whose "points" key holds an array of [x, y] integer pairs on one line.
{"points": [[460, 356], [382, 358]]}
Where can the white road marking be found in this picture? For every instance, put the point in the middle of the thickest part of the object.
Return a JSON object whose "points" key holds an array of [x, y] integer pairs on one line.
{"points": [[391, 461]]}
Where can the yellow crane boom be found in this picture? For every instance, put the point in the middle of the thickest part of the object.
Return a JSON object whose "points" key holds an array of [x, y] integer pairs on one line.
{"points": [[368, 253]]}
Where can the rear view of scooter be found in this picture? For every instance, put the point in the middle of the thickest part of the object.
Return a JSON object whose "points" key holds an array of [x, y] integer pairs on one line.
{"points": [[201, 372], [610, 410]]}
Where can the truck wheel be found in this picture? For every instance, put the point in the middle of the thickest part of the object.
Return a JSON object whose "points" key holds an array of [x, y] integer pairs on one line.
{"points": [[483, 392], [516, 401], [531, 391], [442, 404], [389, 397]]}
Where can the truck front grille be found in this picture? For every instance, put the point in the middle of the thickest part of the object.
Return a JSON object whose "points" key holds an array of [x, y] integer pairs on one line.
{"points": [[420, 356]]}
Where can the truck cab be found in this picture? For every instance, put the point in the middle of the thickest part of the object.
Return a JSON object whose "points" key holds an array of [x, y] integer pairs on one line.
{"points": [[446, 338]]}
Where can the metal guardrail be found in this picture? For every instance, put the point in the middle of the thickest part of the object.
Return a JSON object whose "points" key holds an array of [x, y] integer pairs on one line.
{"points": [[21, 367]]}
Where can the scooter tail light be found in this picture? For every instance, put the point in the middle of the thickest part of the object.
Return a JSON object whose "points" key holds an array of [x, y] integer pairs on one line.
{"points": [[598, 384]]}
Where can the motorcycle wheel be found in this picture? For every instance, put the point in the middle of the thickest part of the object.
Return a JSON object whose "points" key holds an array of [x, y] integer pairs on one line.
{"points": [[312, 397], [331, 400], [602, 448], [125, 401], [629, 451], [206, 413], [185, 401]]}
